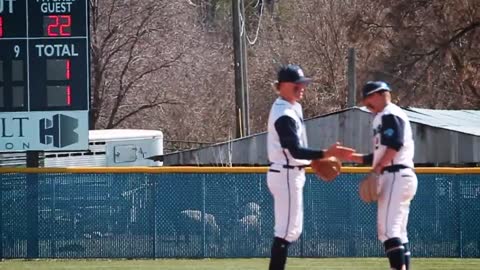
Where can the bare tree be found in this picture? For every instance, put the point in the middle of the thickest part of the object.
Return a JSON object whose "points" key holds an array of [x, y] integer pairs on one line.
{"points": [[309, 33], [128, 52], [168, 64], [428, 49]]}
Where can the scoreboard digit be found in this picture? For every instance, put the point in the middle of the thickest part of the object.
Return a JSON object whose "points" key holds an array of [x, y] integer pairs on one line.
{"points": [[57, 25], [44, 64], [1, 26]]}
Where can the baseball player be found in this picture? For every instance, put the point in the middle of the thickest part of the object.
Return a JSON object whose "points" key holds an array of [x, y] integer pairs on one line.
{"points": [[392, 161], [288, 155]]}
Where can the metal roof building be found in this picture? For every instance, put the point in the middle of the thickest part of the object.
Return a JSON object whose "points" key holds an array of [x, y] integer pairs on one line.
{"points": [[442, 137], [465, 121]]}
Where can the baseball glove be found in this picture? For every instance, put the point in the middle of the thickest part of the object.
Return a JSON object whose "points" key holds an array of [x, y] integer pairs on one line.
{"points": [[368, 188], [326, 168]]}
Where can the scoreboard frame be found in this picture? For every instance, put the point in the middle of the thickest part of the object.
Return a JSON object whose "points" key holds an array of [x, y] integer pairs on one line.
{"points": [[44, 75]]}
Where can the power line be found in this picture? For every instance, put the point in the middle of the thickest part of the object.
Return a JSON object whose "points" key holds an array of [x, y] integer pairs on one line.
{"points": [[191, 3], [258, 2], [243, 28]]}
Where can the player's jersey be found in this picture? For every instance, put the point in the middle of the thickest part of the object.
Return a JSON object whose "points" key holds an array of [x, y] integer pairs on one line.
{"points": [[391, 128], [277, 154]]}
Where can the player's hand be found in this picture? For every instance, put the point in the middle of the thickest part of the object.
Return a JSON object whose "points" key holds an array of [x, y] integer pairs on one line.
{"points": [[377, 169], [357, 158], [339, 151]]}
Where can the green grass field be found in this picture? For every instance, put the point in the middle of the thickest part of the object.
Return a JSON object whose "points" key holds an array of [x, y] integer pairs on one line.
{"points": [[236, 264]]}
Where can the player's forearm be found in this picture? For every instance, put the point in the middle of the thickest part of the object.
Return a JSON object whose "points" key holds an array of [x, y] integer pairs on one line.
{"points": [[385, 160], [299, 152], [366, 159]]}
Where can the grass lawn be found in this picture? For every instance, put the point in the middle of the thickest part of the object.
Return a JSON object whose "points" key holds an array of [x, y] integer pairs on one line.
{"points": [[237, 264]]}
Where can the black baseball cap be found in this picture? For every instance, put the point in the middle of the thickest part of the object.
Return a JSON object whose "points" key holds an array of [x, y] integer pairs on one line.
{"points": [[373, 87], [292, 73]]}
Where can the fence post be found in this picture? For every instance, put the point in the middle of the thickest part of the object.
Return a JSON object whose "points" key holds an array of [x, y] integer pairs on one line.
{"points": [[353, 221], [52, 221], [204, 248], [153, 190], [32, 203], [458, 212], [1, 220]]}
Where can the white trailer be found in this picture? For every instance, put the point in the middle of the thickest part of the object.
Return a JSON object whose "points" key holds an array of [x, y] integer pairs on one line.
{"points": [[112, 148]]}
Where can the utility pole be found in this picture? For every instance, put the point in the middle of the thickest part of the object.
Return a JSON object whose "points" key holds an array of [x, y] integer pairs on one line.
{"points": [[244, 64], [239, 58], [351, 77]]}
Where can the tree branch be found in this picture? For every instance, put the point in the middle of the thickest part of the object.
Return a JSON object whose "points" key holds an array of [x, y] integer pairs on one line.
{"points": [[121, 91], [149, 71], [375, 25], [447, 43], [140, 76], [142, 108]]}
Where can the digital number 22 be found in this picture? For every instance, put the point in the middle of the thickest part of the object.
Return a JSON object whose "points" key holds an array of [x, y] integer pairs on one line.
{"points": [[58, 29]]}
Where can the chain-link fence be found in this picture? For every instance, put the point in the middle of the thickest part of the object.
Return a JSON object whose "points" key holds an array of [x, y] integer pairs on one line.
{"points": [[161, 215]]}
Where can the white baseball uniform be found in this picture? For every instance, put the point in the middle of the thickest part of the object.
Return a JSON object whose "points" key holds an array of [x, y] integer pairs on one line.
{"points": [[397, 184], [288, 155]]}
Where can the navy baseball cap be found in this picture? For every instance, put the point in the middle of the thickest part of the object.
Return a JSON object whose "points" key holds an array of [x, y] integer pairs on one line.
{"points": [[373, 87], [292, 73]]}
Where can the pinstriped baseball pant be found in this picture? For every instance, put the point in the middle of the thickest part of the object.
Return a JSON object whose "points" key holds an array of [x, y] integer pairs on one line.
{"points": [[286, 187], [396, 190]]}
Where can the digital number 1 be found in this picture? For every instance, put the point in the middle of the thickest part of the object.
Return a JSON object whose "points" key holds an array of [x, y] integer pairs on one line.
{"points": [[58, 79], [1, 26], [69, 89]]}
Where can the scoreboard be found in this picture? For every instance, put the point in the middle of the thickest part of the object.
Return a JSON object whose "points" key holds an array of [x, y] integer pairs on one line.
{"points": [[44, 75]]}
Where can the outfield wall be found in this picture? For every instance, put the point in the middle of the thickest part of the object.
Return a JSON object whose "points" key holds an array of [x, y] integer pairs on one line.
{"points": [[177, 212]]}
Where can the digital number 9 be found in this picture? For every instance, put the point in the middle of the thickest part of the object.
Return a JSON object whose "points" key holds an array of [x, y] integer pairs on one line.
{"points": [[16, 50]]}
